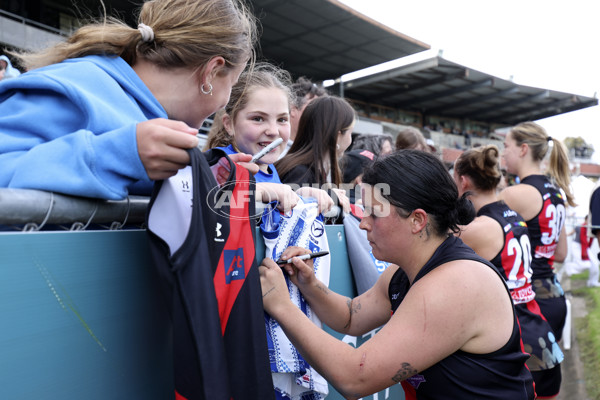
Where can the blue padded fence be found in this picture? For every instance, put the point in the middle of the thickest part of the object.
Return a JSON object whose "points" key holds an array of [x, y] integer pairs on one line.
{"points": [[81, 316]]}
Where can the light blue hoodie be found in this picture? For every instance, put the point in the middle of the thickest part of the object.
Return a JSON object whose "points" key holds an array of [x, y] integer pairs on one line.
{"points": [[71, 128]]}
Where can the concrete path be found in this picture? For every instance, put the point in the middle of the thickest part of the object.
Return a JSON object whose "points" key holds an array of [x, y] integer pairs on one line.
{"points": [[573, 382]]}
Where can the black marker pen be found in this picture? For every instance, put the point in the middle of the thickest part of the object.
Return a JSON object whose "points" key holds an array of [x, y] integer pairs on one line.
{"points": [[304, 257]]}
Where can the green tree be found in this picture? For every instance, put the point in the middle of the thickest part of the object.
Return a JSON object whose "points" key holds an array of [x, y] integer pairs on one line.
{"points": [[578, 147]]}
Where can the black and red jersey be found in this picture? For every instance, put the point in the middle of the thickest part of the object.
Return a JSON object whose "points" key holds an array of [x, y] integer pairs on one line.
{"points": [[514, 263], [499, 375], [202, 239], [545, 227], [514, 260]]}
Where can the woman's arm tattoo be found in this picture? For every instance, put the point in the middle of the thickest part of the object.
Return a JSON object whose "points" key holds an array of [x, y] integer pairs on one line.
{"points": [[323, 288], [352, 309], [405, 372]]}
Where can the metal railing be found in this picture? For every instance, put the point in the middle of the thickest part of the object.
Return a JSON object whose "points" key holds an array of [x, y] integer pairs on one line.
{"points": [[34, 210], [33, 23]]}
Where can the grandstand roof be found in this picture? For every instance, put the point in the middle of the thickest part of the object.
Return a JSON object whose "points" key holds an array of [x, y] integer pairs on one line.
{"points": [[439, 87], [325, 39]]}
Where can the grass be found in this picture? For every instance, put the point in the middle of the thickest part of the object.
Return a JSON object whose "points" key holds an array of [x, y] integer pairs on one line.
{"points": [[588, 333]]}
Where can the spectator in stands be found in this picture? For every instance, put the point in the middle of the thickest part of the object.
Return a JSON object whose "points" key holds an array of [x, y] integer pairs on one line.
{"points": [[449, 327], [7, 71], [541, 201], [304, 91], [411, 138], [378, 144], [113, 105], [324, 133], [500, 235], [258, 113], [353, 164]]}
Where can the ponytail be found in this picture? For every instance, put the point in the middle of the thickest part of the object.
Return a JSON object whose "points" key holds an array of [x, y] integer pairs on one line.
{"points": [[539, 142], [559, 170]]}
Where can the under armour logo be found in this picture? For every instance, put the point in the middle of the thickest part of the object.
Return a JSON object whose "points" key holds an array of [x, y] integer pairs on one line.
{"points": [[218, 232], [185, 186]]}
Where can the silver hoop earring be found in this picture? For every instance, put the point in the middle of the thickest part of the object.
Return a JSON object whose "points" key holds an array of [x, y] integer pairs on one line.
{"points": [[204, 91]]}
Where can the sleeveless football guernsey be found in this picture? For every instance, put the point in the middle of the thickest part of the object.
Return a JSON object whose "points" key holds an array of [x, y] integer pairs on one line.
{"points": [[513, 263], [202, 239], [544, 231], [499, 375]]}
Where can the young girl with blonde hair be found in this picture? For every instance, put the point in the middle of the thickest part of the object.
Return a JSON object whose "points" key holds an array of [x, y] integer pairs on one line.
{"points": [[257, 114]]}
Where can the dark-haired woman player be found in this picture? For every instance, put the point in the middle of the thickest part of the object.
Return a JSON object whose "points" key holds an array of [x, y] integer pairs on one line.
{"points": [[452, 331]]}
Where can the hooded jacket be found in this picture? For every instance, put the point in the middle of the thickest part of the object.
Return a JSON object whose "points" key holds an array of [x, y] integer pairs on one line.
{"points": [[71, 128]]}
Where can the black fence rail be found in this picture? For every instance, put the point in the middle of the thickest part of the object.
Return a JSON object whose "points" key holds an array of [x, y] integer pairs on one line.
{"points": [[34, 210]]}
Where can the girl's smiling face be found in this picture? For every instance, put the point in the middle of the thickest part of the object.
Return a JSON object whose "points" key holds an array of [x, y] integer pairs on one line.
{"points": [[265, 118]]}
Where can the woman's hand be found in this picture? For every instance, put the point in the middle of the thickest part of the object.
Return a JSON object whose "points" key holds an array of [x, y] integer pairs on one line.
{"points": [[343, 200], [222, 169], [243, 160], [274, 288], [323, 199], [162, 146], [301, 272], [268, 191]]}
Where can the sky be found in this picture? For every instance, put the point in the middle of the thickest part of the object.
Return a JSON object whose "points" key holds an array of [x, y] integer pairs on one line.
{"points": [[546, 44]]}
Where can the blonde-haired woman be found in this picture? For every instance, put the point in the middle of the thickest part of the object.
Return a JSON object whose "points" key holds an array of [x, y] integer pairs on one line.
{"points": [[114, 106], [541, 200]]}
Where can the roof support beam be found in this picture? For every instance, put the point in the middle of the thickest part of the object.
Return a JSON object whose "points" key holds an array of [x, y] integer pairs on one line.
{"points": [[569, 108], [405, 89], [391, 74], [410, 103], [511, 103], [473, 100], [547, 110]]}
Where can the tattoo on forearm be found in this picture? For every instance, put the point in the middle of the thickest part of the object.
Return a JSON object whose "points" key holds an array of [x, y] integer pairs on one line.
{"points": [[349, 304], [269, 291], [352, 309], [405, 372], [323, 288]]}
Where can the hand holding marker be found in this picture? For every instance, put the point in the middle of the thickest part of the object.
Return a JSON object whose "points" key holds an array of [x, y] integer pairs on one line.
{"points": [[267, 149], [308, 256]]}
